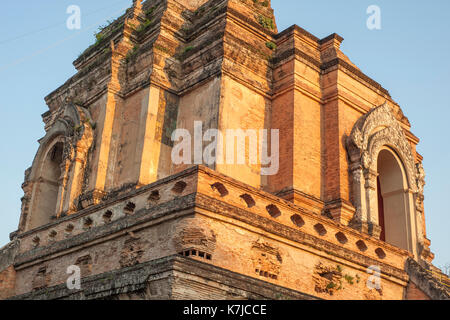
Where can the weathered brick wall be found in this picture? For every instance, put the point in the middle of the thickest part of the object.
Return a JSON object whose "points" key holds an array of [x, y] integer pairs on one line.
{"points": [[7, 271], [7, 282], [414, 293], [210, 221], [236, 73]]}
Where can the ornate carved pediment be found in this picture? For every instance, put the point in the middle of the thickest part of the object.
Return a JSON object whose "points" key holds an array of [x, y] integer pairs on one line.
{"points": [[72, 125], [375, 130], [381, 128], [69, 128]]}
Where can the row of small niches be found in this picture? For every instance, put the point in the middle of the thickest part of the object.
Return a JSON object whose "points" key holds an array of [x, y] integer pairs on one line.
{"points": [[88, 223], [275, 212]]}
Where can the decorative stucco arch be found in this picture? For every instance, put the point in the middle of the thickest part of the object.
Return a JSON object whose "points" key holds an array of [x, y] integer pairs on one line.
{"points": [[380, 130], [70, 126]]}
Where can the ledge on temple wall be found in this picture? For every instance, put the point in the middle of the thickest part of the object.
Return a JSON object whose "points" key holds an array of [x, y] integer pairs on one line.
{"points": [[8, 254], [427, 283]]}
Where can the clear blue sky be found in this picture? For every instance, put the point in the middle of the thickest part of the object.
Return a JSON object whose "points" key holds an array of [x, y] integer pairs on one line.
{"points": [[409, 56]]}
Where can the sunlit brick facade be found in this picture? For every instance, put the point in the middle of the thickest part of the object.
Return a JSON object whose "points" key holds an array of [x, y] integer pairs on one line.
{"points": [[103, 192]]}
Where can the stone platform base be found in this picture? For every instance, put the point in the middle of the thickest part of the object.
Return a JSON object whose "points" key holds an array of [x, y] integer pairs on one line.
{"points": [[173, 277]]}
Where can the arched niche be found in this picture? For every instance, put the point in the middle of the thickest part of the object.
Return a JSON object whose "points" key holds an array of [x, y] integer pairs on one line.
{"points": [[55, 179], [380, 157], [395, 213], [48, 184]]}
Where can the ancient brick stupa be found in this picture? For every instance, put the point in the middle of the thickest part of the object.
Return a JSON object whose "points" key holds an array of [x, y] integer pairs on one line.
{"points": [[343, 208]]}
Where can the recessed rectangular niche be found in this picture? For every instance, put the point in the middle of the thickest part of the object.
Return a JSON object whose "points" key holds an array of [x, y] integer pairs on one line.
{"points": [[154, 196], [266, 274], [380, 253], [361, 245], [88, 223], [248, 199], [196, 253], [179, 187], [297, 220], [107, 216], [69, 230], [220, 188], [320, 229], [341, 238], [129, 208], [273, 211]]}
